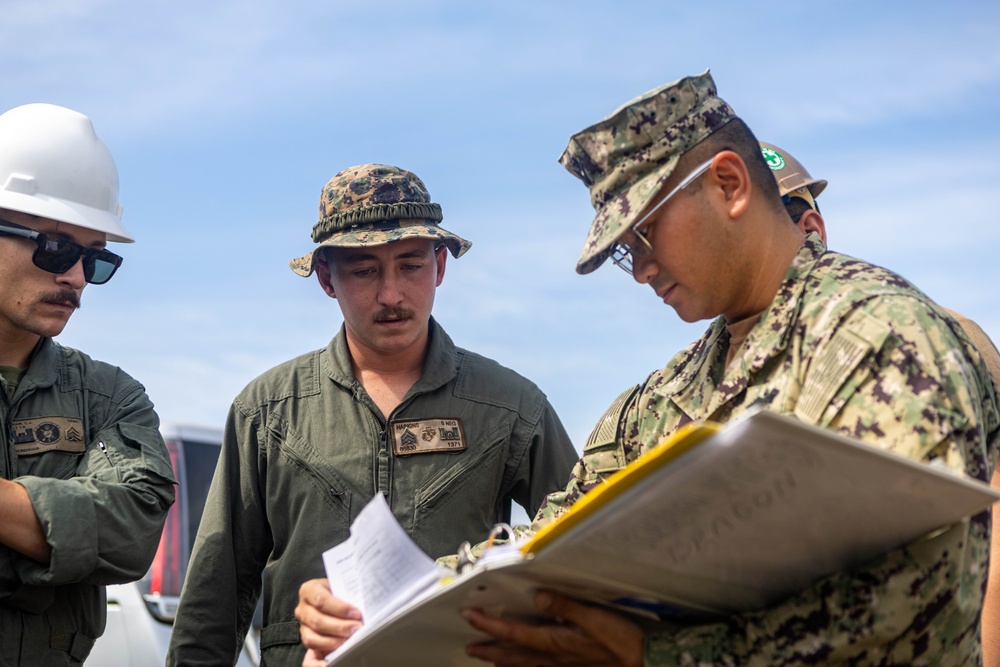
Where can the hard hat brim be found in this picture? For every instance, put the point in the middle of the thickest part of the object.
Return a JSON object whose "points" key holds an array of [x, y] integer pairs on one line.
{"points": [[62, 210]]}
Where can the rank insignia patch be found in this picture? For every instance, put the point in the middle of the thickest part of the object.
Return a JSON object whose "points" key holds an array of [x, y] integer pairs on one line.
{"points": [[435, 435], [46, 434]]}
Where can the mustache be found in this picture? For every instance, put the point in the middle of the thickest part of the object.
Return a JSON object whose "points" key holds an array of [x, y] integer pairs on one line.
{"points": [[62, 296], [390, 313]]}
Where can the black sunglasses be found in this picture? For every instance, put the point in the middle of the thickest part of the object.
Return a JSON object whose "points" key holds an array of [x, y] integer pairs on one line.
{"points": [[57, 255]]}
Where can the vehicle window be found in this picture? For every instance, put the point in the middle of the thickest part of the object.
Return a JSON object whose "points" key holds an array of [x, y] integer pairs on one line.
{"points": [[194, 465], [199, 466]]}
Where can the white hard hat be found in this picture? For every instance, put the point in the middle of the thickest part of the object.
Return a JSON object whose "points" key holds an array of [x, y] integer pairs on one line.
{"points": [[53, 165]]}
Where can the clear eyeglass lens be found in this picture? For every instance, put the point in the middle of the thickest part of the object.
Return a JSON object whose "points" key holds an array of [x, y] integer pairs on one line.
{"points": [[625, 253], [643, 248], [622, 257]]}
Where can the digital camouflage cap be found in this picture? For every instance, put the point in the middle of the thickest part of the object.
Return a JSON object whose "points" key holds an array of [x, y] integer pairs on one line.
{"points": [[625, 158], [373, 204]]}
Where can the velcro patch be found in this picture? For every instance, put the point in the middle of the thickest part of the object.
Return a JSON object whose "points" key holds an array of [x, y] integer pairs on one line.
{"points": [[860, 335], [423, 436], [606, 431], [46, 434]]}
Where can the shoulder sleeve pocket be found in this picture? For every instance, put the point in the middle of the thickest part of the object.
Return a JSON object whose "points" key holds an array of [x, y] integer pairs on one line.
{"points": [[138, 453], [603, 450], [860, 335]]}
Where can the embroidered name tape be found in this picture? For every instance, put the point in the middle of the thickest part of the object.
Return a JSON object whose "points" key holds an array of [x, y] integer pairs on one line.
{"points": [[46, 434], [423, 436]]}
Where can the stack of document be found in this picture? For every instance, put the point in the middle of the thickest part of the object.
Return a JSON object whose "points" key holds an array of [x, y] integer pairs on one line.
{"points": [[715, 520]]}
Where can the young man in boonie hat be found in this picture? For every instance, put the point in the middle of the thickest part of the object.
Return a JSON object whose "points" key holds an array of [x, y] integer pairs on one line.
{"points": [[687, 205], [390, 406]]}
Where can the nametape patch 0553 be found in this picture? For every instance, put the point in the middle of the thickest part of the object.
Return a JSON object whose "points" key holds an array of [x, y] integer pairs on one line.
{"points": [[423, 436], [46, 434]]}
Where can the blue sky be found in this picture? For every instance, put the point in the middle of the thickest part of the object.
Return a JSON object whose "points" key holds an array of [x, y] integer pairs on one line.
{"points": [[227, 118]]}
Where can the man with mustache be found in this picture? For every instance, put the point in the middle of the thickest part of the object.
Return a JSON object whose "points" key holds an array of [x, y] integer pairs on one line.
{"points": [[391, 406], [687, 205], [85, 478]]}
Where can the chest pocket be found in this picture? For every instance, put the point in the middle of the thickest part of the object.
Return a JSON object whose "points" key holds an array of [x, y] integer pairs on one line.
{"points": [[839, 368], [319, 481]]}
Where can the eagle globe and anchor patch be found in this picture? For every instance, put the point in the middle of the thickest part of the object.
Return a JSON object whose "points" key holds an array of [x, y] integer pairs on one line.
{"points": [[46, 434], [423, 436]]}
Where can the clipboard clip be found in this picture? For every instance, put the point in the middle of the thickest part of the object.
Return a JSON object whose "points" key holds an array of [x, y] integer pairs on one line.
{"points": [[467, 555]]}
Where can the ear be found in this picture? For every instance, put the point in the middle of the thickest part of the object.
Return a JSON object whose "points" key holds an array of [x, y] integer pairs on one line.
{"points": [[441, 256], [729, 177], [323, 276], [812, 221]]}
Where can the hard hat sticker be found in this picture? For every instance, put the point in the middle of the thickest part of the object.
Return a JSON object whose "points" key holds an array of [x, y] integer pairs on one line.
{"points": [[774, 159]]}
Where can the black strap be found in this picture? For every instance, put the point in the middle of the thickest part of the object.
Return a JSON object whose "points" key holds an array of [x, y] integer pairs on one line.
{"points": [[77, 644], [279, 633]]}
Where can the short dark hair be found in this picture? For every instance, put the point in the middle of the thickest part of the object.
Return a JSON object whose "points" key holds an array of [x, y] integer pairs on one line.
{"points": [[737, 137], [796, 206]]}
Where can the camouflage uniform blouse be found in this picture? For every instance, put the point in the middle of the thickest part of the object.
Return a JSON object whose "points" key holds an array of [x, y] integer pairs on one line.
{"points": [[855, 348]]}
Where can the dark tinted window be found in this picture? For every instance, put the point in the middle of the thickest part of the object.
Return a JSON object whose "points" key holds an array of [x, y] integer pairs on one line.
{"points": [[194, 465], [199, 466]]}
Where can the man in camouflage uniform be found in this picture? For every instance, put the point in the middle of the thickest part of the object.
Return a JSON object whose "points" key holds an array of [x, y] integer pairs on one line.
{"points": [[686, 204], [799, 191], [390, 406]]}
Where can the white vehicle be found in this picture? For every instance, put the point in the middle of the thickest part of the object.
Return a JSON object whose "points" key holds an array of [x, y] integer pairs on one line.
{"points": [[141, 614]]}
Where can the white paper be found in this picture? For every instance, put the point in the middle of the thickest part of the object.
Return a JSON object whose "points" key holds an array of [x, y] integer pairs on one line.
{"points": [[748, 516], [378, 568]]}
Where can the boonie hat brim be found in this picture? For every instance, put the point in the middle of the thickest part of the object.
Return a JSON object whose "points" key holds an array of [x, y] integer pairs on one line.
{"points": [[381, 233]]}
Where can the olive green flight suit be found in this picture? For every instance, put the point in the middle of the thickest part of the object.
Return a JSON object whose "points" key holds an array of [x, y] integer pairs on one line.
{"points": [[82, 438], [305, 449]]}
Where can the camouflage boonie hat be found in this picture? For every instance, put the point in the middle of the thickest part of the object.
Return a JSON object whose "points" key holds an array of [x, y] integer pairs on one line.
{"points": [[373, 204], [626, 157]]}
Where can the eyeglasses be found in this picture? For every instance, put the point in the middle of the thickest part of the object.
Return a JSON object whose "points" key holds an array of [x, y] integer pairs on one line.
{"points": [[57, 255], [624, 252]]}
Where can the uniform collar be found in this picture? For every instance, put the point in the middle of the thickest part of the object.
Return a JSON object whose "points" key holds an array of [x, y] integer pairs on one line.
{"points": [[704, 360], [440, 366], [43, 368]]}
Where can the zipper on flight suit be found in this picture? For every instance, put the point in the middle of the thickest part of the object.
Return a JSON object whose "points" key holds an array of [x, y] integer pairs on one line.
{"points": [[383, 462], [104, 448]]}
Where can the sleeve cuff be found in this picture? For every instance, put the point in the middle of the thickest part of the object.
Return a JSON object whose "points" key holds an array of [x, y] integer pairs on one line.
{"points": [[696, 646], [66, 513]]}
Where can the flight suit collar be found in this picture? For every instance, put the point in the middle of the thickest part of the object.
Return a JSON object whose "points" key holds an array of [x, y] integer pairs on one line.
{"points": [[440, 366], [43, 369]]}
